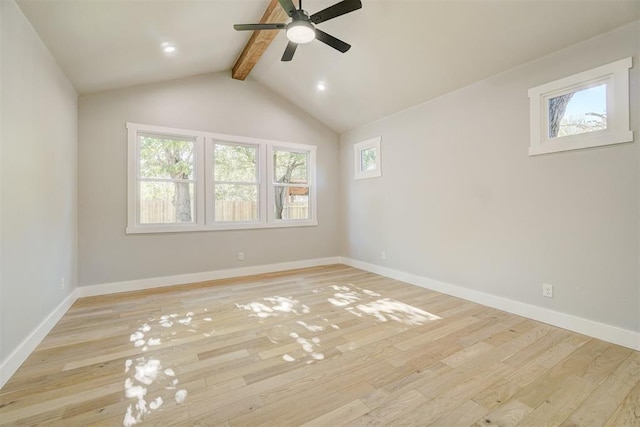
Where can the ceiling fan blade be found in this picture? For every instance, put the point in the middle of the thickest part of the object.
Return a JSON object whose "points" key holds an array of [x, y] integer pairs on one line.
{"points": [[336, 10], [289, 51], [332, 41], [288, 6], [249, 27]]}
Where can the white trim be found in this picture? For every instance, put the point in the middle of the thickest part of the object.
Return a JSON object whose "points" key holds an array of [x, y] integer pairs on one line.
{"points": [[10, 365], [612, 334], [160, 282], [616, 77]]}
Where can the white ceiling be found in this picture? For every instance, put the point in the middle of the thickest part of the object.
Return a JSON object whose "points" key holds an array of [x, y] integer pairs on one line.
{"points": [[404, 52]]}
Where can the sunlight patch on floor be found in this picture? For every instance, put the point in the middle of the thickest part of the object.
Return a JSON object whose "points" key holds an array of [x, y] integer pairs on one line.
{"points": [[146, 373], [274, 307], [383, 310], [358, 301]]}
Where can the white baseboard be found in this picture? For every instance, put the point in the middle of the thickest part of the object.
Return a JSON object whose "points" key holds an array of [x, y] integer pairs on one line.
{"points": [[11, 364], [612, 334], [157, 282]]}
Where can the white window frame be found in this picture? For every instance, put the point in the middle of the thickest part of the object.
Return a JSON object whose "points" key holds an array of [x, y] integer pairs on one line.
{"points": [[271, 183], [616, 77], [210, 202], [204, 181], [357, 159]]}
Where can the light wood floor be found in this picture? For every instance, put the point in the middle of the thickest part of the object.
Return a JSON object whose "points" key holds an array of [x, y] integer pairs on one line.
{"points": [[324, 346]]}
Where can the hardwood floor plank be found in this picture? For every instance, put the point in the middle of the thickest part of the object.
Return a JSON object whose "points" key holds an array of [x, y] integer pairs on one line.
{"points": [[393, 407], [563, 367], [340, 416], [509, 414], [555, 409], [497, 394], [440, 403], [628, 413], [464, 415], [323, 346], [612, 391]]}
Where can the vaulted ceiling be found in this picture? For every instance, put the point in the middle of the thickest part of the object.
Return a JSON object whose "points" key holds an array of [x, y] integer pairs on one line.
{"points": [[404, 51]]}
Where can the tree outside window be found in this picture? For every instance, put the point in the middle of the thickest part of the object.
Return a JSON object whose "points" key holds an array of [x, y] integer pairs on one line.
{"points": [[291, 184], [166, 184], [181, 180], [236, 182], [578, 112]]}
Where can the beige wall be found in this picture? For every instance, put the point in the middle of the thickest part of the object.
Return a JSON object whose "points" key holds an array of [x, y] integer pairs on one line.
{"points": [[38, 181], [460, 201], [214, 103]]}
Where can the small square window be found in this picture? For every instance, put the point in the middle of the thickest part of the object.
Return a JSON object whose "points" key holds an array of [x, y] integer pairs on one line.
{"points": [[584, 110], [367, 159]]}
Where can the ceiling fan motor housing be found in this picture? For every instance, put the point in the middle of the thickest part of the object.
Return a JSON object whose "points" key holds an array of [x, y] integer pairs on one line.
{"points": [[301, 30]]}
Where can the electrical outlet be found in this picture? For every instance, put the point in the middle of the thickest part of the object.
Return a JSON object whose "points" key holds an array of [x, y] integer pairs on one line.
{"points": [[240, 256], [62, 283], [547, 291], [383, 255]]}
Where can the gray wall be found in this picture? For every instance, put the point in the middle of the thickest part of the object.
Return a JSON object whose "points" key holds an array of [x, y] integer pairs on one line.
{"points": [[460, 200], [214, 103], [38, 181]]}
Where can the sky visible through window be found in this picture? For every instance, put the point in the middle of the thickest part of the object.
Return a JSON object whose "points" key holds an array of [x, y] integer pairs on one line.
{"points": [[592, 100], [585, 111]]}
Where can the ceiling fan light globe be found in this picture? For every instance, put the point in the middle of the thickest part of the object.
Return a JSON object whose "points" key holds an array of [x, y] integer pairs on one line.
{"points": [[301, 32]]}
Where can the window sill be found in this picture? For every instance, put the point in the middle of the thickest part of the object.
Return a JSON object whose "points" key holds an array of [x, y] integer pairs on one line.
{"points": [[155, 228], [578, 142]]}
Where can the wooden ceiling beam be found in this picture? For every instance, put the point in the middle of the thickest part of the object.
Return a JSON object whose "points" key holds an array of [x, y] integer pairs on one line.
{"points": [[259, 41]]}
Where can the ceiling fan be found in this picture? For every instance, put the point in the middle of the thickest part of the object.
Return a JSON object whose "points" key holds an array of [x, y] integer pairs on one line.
{"points": [[302, 28]]}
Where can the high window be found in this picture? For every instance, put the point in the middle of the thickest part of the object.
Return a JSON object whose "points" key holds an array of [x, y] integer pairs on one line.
{"points": [[366, 157], [182, 180], [584, 110]]}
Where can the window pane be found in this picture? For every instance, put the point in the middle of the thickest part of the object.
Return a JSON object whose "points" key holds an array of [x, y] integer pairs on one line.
{"points": [[236, 202], [291, 202], [368, 159], [578, 112], [166, 202], [165, 158], [235, 163], [290, 167]]}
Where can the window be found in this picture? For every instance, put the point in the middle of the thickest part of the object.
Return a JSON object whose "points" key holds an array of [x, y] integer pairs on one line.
{"points": [[236, 182], [588, 109], [181, 180], [290, 184], [367, 159], [166, 181]]}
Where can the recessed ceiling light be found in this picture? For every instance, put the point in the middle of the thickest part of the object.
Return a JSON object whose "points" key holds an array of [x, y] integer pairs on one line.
{"points": [[168, 48], [321, 86]]}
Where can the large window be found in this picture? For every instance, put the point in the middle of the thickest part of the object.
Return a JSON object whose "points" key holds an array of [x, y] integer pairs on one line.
{"points": [[181, 180]]}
